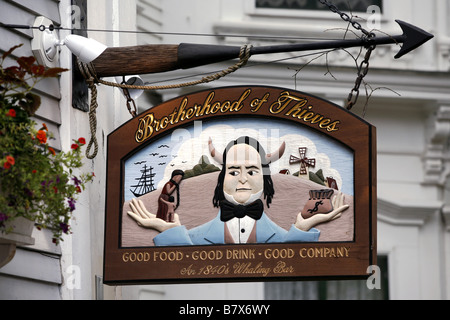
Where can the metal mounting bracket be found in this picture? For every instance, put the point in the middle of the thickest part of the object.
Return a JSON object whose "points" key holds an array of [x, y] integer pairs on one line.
{"points": [[45, 43]]}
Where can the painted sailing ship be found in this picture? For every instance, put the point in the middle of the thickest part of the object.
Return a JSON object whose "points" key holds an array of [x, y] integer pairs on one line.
{"points": [[145, 182]]}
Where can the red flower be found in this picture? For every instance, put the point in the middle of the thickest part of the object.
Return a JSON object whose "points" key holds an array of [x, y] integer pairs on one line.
{"points": [[10, 160], [82, 141], [41, 136], [11, 113], [78, 189], [52, 151], [74, 146]]}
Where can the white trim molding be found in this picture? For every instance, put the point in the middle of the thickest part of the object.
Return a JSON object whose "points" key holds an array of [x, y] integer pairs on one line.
{"points": [[436, 166], [406, 214]]}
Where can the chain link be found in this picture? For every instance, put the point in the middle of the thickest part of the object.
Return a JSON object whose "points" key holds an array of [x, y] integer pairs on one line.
{"points": [[131, 105], [363, 68]]}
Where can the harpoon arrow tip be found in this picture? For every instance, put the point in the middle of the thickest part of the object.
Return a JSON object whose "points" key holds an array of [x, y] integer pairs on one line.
{"points": [[414, 37]]}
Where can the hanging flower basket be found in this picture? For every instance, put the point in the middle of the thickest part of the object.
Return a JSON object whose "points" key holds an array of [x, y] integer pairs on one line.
{"points": [[37, 183], [20, 230]]}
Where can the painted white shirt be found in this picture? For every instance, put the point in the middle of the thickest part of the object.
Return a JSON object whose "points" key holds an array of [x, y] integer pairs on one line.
{"points": [[240, 229]]}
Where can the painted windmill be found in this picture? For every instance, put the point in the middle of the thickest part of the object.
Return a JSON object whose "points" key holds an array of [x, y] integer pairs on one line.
{"points": [[305, 163]]}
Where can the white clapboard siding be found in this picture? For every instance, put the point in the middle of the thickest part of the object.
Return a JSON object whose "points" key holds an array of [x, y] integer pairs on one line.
{"points": [[35, 271], [149, 19]]}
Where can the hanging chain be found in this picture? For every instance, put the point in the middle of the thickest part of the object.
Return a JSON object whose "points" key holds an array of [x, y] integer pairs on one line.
{"points": [[347, 18], [130, 100], [130, 103], [363, 68]]}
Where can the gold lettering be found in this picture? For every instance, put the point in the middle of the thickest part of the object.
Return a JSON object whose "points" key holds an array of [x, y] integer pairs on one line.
{"points": [[297, 111], [317, 119], [303, 252], [282, 267], [164, 122], [190, 113], [168, 256], [207, 255], [237, 105], [293, 106], [145, 129], [308, 116], [318, 252], [324, 252], [181, 112], [240, 254], [333, 127], [257, 103], [207, 104], [283, 101], [279, 253], [324, 123], [225, 107], [248, 268], [301, 111], [136, 257], [346, 252], [215, 107]]}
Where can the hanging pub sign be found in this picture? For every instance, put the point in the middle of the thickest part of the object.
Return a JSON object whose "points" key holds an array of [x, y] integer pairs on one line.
{"points": [[246, 183]]}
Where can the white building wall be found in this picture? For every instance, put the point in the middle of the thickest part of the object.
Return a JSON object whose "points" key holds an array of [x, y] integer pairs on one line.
{"points": [[83, 250]]}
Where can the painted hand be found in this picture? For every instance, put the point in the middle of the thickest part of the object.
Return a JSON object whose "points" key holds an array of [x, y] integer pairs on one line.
{"points": [[148, 220], [307, 224]]}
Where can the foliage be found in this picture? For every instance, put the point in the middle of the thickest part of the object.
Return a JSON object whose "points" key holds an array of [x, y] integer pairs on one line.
{"points": [[202, 167], [36, 182]]}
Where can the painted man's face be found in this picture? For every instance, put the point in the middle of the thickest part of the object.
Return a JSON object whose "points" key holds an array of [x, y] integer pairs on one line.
{"points": [[243, 175]]}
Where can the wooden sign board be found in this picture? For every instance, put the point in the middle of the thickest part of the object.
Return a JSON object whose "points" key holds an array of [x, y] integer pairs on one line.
{"points": [[241, 184]]}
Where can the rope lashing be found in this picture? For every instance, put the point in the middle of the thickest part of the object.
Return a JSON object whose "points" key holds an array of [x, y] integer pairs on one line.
{"points": [[89, 74]]}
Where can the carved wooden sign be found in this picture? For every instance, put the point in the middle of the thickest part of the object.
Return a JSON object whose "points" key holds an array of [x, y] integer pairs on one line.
{"points": [[240, 184]]}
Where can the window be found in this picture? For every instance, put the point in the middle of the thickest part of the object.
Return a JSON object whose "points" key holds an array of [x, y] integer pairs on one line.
{"points": [[343, 5], [330, 290]]}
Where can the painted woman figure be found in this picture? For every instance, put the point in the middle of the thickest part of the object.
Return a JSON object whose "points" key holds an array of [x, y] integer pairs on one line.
{"points": [[167, 191]]}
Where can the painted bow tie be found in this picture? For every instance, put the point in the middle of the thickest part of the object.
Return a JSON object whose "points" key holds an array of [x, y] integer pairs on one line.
{"points": [[229, 210]]}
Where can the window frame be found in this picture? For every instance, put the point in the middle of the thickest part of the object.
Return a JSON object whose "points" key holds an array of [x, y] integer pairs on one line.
{"points": [[252, 10]]}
